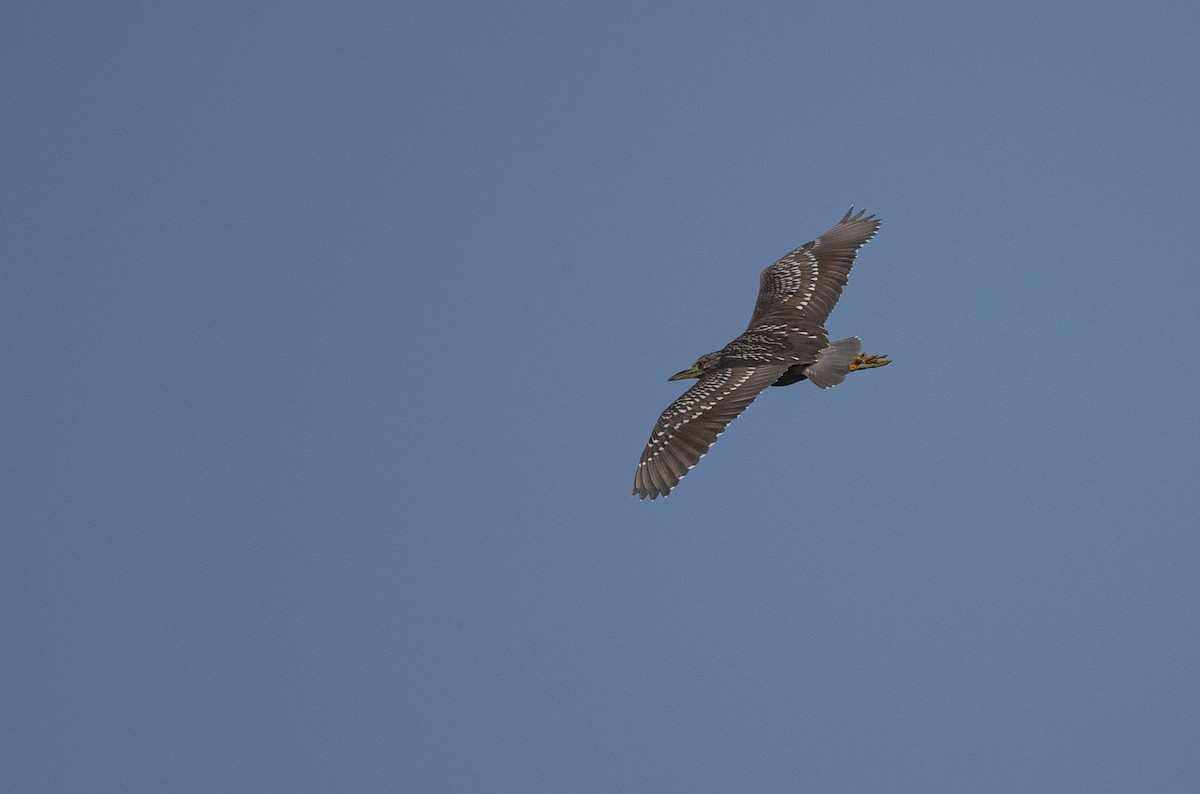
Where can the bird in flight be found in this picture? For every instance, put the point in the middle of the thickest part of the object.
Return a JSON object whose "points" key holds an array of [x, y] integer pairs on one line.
{"points": [[785, 342]]}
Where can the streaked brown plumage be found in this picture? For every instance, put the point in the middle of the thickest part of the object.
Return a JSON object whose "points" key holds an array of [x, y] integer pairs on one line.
{"points": [[785, 342]]}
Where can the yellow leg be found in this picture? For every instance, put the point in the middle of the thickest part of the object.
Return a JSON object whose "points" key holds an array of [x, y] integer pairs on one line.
{"points": [[863, 361]]}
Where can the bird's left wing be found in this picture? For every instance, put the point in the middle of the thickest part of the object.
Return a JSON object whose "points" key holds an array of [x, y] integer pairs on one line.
{"points": [[809, 280], [692, 423]]}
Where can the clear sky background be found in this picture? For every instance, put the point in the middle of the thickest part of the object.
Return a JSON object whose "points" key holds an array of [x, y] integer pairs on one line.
{"points": [[332, 334]]}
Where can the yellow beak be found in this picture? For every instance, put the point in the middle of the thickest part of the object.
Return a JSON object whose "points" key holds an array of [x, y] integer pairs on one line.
{"points": [[693, 372]]}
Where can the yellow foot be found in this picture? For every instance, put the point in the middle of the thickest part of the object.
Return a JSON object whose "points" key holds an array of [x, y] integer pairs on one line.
{"points": [[864, 361]]}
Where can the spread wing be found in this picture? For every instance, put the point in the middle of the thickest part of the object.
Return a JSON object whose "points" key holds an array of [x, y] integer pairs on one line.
{"points": [[809, 280], [692, 423]]}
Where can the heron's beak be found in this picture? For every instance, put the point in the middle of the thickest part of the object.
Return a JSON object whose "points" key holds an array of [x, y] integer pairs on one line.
{"points": [[693, 372]]}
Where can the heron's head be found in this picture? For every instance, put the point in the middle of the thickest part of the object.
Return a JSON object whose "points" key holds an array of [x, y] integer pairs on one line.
{"points": [[705, 363]]}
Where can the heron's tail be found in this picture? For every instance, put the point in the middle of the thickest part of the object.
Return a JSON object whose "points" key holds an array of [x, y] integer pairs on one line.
{"points": [[833, 363]]}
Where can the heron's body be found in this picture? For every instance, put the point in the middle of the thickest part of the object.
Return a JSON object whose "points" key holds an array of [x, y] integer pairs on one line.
{"points": [[786, 342]]}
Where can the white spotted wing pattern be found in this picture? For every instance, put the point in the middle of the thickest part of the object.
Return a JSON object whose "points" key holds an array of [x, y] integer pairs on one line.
{"points": [[809, 280], [692, 423]]}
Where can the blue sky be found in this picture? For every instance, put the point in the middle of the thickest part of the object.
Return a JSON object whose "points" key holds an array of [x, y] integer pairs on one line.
{"points": [[332, 333]]}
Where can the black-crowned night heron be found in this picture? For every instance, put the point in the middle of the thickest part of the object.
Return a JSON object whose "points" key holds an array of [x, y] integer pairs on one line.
{"points": [[785, 342]]}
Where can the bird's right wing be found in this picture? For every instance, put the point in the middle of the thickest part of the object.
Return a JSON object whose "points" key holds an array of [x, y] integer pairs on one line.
{"points": [[692, 423], [810, 279]]}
